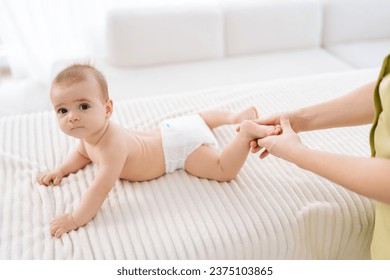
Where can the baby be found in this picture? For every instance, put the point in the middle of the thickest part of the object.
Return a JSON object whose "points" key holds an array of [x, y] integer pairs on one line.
{"points": [[79, 95]]}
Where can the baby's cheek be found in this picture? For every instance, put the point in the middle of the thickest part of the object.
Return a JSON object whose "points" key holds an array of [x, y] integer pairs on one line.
{"points": [[63, 128]]}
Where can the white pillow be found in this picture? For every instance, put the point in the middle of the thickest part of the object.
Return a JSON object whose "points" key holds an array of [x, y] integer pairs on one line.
{"points": [[145, 36], [362, 54], [356, 20], [268, 25]]}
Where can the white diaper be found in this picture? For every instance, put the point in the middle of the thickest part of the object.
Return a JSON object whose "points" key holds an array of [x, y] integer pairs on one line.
{"points": [[181, 136]]}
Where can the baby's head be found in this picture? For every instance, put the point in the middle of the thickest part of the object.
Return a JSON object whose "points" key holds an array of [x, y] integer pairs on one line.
{"points": [[79, 95], [81, 72]]}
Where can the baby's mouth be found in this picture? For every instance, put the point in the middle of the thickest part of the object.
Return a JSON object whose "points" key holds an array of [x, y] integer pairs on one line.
{"points": [[75, 127]]}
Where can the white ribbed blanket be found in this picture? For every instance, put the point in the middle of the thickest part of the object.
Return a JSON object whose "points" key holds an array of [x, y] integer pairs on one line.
{"points": [[273, 210]]}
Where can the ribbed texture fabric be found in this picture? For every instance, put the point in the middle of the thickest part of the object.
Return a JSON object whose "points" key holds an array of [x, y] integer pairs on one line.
{"points": [[272, 210]]}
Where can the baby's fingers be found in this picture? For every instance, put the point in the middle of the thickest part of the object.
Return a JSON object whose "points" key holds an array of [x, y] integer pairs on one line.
{"points": [[48, 180], [59, 233], [56, 181], [54, 227], [57, 228], [40, 178], [44, 179]]}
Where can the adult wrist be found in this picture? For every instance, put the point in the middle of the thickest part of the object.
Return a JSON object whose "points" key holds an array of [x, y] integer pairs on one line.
{"points": [[299, 154], [301, 118]]}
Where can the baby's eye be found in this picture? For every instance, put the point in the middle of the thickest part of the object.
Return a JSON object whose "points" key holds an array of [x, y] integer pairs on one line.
{"points": [[62, 111], [84, 107]]}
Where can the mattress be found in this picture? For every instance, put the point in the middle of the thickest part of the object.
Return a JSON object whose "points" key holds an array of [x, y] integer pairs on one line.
{"points": [[272, 210]]}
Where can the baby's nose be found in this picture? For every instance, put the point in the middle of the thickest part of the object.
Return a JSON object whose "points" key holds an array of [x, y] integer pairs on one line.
{"points": [[73, 117]]}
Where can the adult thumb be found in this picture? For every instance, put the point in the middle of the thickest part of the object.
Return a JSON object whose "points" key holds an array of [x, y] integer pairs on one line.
{"points": [[285, 123]]}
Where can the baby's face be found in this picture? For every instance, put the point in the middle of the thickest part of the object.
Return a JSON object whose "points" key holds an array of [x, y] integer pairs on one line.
{"points": [[80, 108]]}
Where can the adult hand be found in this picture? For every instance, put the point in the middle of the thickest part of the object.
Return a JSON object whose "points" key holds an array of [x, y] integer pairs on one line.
{"points": [[275, 120], [283, 145]]}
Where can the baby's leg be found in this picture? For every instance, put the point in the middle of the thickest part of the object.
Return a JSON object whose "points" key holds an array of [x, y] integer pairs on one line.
{"points": [[206, 162], [215, 118]]}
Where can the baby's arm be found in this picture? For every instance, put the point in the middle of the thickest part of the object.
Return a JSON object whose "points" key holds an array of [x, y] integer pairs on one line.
{"points": [[77, 160], [111, 161]]}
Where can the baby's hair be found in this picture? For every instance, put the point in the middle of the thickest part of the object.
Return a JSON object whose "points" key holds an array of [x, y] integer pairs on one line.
{"points": [[79, 72]]}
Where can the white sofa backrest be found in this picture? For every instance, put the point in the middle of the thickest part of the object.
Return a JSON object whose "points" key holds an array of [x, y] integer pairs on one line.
{"points": [[355, 20], [268, 25], [141, 36]]}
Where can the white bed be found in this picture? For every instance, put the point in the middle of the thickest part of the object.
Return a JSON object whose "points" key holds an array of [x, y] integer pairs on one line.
{"points": [[272, 210]]}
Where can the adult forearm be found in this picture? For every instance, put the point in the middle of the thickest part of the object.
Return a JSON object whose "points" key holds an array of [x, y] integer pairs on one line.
{"points": [[366, 176], [354, 108]]}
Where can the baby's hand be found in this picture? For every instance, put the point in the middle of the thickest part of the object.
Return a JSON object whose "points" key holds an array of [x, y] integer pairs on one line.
{"points": [[62, 224], [50, 178]]}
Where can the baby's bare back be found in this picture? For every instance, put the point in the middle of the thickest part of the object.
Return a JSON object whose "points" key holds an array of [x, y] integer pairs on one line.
{"points": [[143, 149], [146, 157]]}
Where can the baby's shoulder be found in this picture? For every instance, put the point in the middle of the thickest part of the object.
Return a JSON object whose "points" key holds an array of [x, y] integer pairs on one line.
{"points": [[116, 133], [121, 138]]}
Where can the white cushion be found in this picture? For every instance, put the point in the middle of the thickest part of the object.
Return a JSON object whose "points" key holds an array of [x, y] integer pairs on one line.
{"points": [[364, 54], [268, 25], [350, 20], [180, 78], [145, 36]]}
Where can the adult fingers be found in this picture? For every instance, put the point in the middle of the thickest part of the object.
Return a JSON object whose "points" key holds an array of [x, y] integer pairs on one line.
{"points": [[285, 123], [271, 120], [266, 121], [254, 148], [253, 144], [278, 129], [264, 142], [264, 154]]}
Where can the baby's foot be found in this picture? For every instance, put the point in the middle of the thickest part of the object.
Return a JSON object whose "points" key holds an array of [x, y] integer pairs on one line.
{"points": [[252, 130], [248, 114]]}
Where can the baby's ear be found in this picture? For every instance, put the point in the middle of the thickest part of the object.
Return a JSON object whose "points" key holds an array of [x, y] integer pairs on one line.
{"points": [[109, 108]]}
